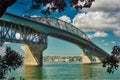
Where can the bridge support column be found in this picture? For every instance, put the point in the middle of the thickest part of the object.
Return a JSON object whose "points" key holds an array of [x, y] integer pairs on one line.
{"points": [[88, 59], [85, 59], [88, 56], [33, 54], [97, 60]]}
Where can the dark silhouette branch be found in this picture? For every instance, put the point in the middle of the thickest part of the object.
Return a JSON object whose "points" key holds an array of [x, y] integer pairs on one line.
{"points": [[4, 4], [60, 5], [49, 5], [10, 61], [112, 62]]}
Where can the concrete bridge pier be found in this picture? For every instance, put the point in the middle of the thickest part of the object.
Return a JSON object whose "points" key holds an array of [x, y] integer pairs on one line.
{"points": [[85, 59], [88, 57], [33, 54]]}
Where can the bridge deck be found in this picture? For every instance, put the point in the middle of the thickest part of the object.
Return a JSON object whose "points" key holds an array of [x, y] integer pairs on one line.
{"points": [[57, 28]]}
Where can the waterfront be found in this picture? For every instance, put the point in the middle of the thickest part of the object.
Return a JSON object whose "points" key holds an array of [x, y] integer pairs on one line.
{"points": [[66, 71], [62, 58]]}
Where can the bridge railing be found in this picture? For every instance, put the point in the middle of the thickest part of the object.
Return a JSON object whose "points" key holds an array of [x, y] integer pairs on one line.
{"points": [[60, 24], [19, 33]]}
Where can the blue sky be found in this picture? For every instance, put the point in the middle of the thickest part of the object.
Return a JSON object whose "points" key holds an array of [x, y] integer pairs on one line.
{"points": [[101, 23]]}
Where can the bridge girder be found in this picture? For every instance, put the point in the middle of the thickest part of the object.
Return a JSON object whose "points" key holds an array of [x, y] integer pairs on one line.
{"points": [[13, 32], [59, 29]]}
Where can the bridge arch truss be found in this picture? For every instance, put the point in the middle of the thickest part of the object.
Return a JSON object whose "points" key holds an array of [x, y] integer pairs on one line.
{"points": [[62, 25], [17, 33]]}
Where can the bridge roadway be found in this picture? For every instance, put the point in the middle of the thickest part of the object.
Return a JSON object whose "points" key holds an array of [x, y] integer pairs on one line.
{"points": [[60, 29]]}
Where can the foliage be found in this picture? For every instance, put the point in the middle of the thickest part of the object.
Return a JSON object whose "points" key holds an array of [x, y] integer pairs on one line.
{"points": [[10, 61], [49, 5], [112, 62], [60, 5], [4, 4], [79, 4]]}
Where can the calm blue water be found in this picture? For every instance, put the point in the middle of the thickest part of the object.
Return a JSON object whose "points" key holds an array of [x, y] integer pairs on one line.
{"points": [[65, 71]]}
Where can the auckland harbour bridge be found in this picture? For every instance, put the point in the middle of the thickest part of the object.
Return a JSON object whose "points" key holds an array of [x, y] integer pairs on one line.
{"points": [[32, 33]]}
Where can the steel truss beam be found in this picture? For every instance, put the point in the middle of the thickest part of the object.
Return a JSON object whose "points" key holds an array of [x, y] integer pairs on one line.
{"points": [[62, 25], [13, 32]]}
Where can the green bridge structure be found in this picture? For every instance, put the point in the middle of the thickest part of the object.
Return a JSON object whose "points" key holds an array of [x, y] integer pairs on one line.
{"points": [[32, 33]]}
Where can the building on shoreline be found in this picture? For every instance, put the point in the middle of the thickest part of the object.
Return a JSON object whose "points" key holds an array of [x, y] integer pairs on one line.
{"points": [[62, 59]]}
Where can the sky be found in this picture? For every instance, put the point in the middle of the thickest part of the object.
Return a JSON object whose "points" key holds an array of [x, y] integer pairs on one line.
{"points": [[101, 23]]}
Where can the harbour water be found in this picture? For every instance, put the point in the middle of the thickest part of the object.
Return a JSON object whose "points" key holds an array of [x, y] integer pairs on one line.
{"points": [[65, 71]]}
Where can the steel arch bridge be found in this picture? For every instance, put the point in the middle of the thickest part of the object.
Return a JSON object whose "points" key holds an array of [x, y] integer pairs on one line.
{"points": [[35, 30], [14, 32]]}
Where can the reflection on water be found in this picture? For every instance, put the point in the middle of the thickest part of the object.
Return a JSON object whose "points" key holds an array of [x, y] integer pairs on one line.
{"points": [[68, 71], [89, 71], [18, 73], [33, 72]]}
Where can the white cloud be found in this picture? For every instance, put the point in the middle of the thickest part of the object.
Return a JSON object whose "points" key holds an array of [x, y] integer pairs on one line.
{"points": [[34, 16], [95, 21], [105, 5], [106, 44], [113, 42], [7, 43], [102, 41], [98, 34], [103, 15], [65, 18], [117, 32], [17, 35]]}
